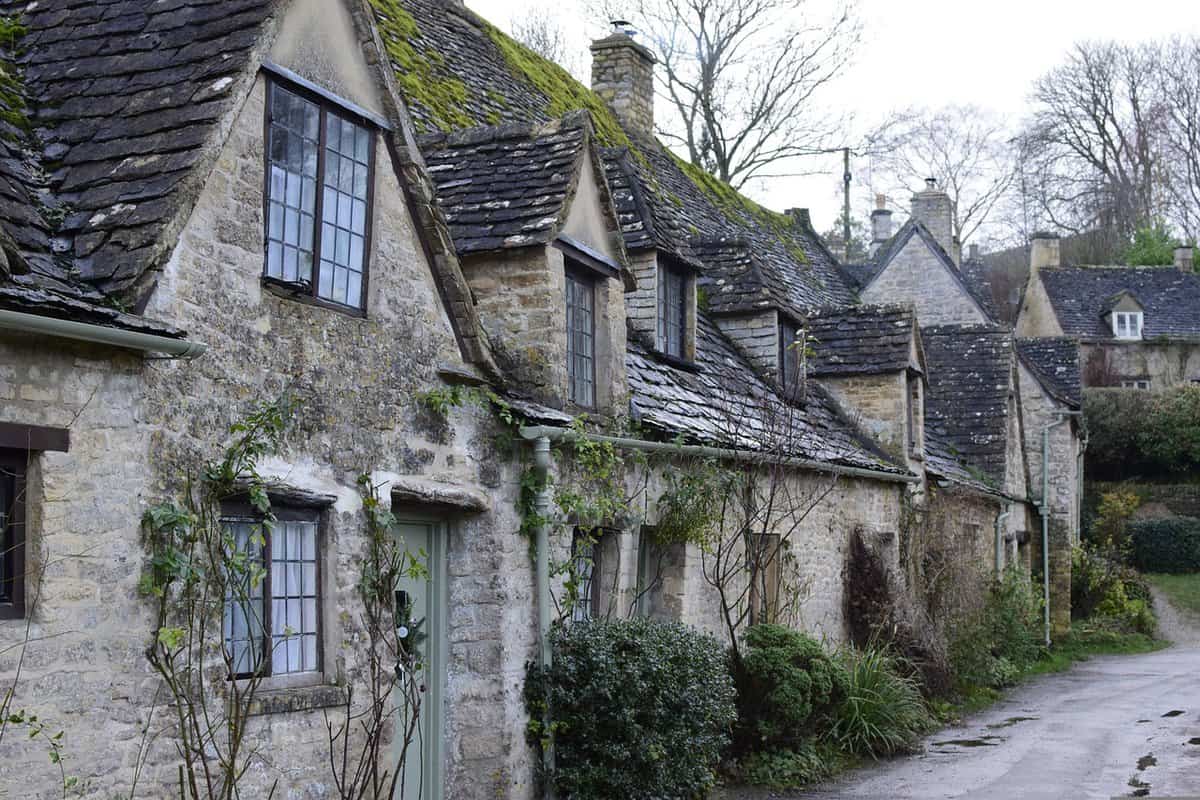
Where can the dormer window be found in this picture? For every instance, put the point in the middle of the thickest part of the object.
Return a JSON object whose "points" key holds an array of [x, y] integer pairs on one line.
{"points": [[320, 165], [672, 311], [581, 337], [1127, 324]]}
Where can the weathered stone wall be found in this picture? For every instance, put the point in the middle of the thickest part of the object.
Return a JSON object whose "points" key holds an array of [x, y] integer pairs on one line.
{"points": [[915, 275], [139, 426], [1158, 500], [1164, 364], [949, 552], [1037, 317], [623, 75], [756, 336], [641, 305], [879, 404]]}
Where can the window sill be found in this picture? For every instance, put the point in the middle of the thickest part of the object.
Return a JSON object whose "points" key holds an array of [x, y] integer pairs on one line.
{"points": [[676, 361], [289, 694], [301, 293]]}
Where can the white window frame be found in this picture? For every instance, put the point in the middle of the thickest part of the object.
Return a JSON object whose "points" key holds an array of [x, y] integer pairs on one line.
{"points": [[1127, 324], [1136, 383]]}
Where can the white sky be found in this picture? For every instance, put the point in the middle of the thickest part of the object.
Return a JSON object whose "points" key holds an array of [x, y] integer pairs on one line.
{"points": [[925, 52]]}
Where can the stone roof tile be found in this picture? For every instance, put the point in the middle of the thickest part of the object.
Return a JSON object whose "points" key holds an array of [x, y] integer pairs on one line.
{"points": [[1054, 361], [1170, 298], [861, 340]]}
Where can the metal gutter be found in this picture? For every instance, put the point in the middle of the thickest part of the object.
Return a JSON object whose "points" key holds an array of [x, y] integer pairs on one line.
{"points": [[542, 462], [551, 433], [100, 334]]}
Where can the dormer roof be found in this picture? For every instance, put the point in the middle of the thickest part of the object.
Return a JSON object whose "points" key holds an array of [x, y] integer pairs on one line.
{"points": [[863, 340]]}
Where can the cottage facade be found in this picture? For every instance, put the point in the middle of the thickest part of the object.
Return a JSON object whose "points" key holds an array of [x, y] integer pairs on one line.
{"points": [[361, 206]]}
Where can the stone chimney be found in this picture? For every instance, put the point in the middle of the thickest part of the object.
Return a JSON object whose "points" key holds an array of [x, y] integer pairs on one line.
{"points": [[800, 216], [1183, 259], [1043, 252], [623, 75], [931, 207], [973, 252], [881, 224]]}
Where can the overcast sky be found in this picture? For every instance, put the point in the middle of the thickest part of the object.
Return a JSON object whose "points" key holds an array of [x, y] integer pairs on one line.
{"points": [[925, 52]]}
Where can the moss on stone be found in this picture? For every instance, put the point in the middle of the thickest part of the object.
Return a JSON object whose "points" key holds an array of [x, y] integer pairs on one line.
{"points": [[12, 100], [563, 93], [421, 73]]}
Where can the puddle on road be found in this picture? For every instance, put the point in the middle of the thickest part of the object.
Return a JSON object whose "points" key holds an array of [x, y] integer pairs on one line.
{"points": [[1174, 713], [1008, 723], [1140, 787], [1194, 740], [1142, 721], [982, 741], [1147, 761]]}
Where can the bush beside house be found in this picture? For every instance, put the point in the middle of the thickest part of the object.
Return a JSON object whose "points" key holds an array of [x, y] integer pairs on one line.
{"points": [[1165, 545]]}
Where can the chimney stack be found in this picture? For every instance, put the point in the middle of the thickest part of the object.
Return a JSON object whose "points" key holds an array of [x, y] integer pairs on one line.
{"points": [[1043, 252], [800, 216], [1183, 259], [931, 207], [973, 252], [881, 224], [623, 75]]}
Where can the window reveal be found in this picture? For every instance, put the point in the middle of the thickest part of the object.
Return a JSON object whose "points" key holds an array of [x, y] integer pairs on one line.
{"points": [[672, 312], [12, 533]]}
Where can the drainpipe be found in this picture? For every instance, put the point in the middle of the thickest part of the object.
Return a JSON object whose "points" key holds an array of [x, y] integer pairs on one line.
{"points": [[100, 334], [541, 464], [1000, 519], [1044, 508]]}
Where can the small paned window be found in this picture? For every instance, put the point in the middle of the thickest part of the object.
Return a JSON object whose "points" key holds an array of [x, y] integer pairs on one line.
{"points": [[789, 355], [581, 339], [320, 165], [585, 565], [12, 533], [672, 311], [272, 622], [763, 560], [1137, 383], [1127, 324]]}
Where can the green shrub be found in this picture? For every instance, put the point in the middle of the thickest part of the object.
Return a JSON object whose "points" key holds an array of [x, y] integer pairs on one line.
{"points": [[1110, 594], [784, 769], [1146, 434], [996, 645], [640, 709], [1166, 545], [788, 688], [883, 713]]}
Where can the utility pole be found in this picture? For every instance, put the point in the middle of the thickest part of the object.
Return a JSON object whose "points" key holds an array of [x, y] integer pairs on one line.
{"points": [[846, 205]]}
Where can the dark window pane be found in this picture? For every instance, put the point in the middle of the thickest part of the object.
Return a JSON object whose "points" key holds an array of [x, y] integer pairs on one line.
{"points": [[293, 155], [580, 297]]}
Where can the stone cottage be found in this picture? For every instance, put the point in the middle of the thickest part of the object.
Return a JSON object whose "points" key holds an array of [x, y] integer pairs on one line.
{"points": [[362, 206], [1136, 327]]}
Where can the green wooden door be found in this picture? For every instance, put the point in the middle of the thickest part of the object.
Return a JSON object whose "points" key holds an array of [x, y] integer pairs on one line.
{"points": [[424, 603]]}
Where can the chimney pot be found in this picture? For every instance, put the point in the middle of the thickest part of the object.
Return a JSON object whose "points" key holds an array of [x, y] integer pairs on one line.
{"points": [[880, 202], [881, 224], [931, 184], [973, 252], [1183, 259]]}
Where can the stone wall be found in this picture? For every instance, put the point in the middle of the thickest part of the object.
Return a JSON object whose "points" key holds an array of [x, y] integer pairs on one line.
{"points": [[1164, 364], [756, 336], [915, 275], [879, 404]]}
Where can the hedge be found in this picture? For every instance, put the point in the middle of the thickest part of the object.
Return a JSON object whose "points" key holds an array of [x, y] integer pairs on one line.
{"points": [[640, 709], [1166, 545], [1145, 434]]}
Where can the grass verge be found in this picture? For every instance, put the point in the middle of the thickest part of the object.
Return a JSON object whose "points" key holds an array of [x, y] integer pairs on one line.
{"points": [[1182, 590]]}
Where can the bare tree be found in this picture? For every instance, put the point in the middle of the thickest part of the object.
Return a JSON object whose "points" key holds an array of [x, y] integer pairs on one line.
{"points": [[967, 148], [542, 32], [1179, 94], [1092, 150], [743, 78]]}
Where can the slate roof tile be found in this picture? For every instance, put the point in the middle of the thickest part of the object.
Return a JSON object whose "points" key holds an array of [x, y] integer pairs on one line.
{"points": [[861, 340], [967, 405], [1170, 298], [1054, 361]]}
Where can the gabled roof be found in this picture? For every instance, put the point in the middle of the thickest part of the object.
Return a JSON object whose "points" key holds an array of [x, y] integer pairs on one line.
{"points": [[862, 340], [505, 186], [1080, 298], [122, 95], [973, 287], [967, 408], [725, 403], [1054, 361], [1114, 301]]}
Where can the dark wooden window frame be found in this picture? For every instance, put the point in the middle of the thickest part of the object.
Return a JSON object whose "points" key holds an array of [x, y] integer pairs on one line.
{"points": [[13, 468], [588, 278], [590, 603], [666, 304], [325, 103], [242, 511], [789, 356]]}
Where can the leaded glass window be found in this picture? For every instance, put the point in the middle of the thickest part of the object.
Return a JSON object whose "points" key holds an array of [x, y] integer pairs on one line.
{"points": [[319, 168], [789, 355], [581, 340], [12, 532], [272, 615], [672, 311], [584, 562]]}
